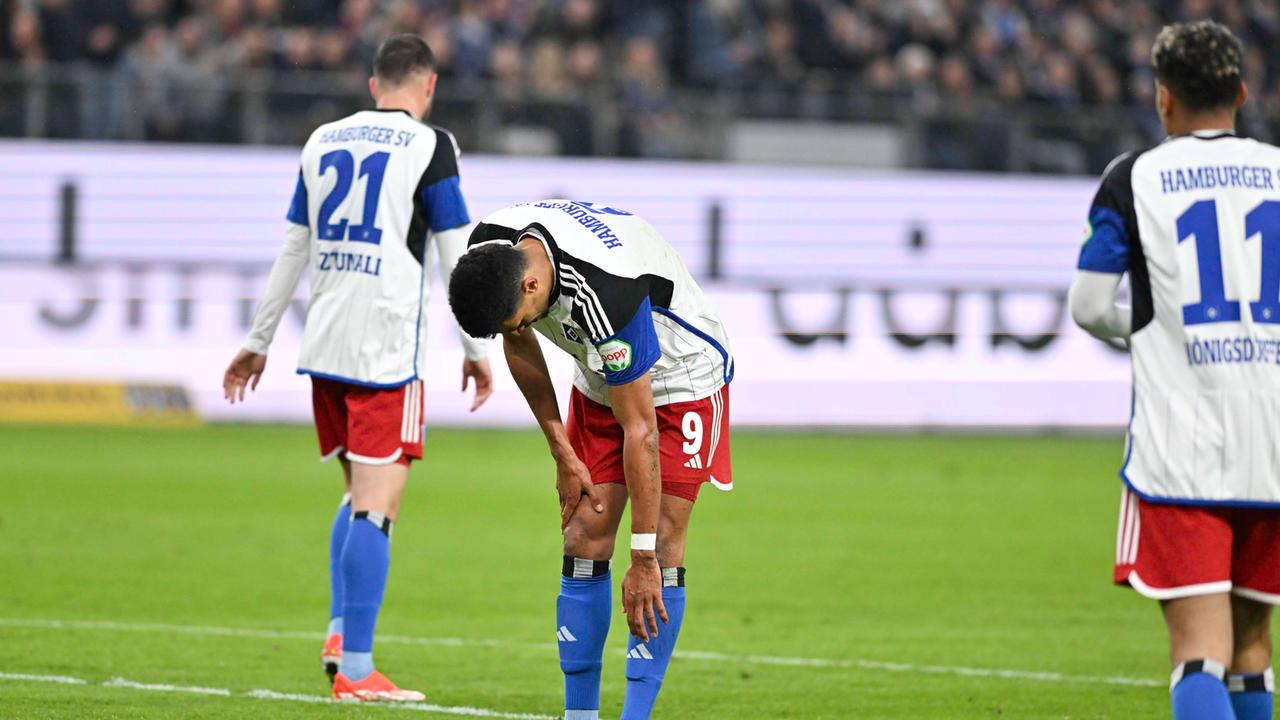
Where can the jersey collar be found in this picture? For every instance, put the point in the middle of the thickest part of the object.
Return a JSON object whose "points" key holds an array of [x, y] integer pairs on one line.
{"points": [[390, 110], [1208, 134]]}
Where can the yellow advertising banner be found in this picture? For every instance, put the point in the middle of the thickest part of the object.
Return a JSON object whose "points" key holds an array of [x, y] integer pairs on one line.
{"points": [[95, 403]]}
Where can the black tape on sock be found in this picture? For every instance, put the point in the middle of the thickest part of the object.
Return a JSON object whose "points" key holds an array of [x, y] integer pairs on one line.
{"points": [[583, 568]]}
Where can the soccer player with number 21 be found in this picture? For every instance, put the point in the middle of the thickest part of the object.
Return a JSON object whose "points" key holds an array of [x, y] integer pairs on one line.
{"points": [[376, 191], [648, 414], [1195, 222]]}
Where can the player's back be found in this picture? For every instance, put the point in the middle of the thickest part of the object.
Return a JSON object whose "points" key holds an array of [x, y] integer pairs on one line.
{"points": [[1206, 299], [611, 265], [366, 185]]}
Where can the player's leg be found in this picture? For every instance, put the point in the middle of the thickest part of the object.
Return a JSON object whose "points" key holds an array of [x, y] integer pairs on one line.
{"points": [[328, 400], [1256, 587], [365, 560], [1181, 555], [385, 432], [332, 653], [1251, 681], [584, 606], [694, 444], [1200, 649], [647, 661]]}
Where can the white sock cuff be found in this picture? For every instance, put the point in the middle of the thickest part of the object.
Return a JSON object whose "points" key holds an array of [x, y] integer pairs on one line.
{"points": [[1252, 682], [346, 500], [1213, 667], [581, 715]]}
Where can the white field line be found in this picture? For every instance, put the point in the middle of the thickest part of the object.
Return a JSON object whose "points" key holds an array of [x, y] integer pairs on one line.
{"points": [[272, 695], [63, 679], [121, 682], [694, 655]]}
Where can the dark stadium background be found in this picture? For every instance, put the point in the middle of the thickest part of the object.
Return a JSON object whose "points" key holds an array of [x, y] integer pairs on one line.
{"points": [[1026, 85]]}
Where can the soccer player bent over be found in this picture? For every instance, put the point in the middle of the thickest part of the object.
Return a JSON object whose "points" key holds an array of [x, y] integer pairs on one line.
{"points": [[374, 191], [648, 414], [1195, 222]]}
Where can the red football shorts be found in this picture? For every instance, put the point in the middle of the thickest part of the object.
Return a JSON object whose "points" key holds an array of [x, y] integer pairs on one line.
{"points": [[693, 440], [375, 426], [1169, 551]]}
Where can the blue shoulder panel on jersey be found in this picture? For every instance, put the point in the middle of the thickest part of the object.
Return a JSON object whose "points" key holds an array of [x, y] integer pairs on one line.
{"points": [[446, 208], [632, 351], [1107, 248], [298, 214]]}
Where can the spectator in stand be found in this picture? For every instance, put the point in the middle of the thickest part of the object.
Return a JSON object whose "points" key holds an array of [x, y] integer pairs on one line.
{"points": [[778, 57]]}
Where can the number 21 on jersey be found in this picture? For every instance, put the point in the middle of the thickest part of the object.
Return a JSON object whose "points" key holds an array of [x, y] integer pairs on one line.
{"points": [[373, 167], [1200, 221]]}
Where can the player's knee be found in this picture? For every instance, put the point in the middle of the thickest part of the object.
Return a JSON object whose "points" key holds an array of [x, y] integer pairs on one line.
{"points": [[585, 541]]}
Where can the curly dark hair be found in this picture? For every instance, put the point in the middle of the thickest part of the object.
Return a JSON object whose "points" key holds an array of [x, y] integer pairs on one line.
{"points": [[399, 56], [484, 289], [1200, 63]]}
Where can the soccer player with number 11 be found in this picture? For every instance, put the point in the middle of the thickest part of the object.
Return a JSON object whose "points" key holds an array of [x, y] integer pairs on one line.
{"points": [[1195, 222]]}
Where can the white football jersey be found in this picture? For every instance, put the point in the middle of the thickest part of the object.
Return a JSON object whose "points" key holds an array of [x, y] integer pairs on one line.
{"points": [[1195, 221], [622, 303], [372, 187]]}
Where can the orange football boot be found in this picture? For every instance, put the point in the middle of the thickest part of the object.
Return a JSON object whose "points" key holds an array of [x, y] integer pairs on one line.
{"points": [[374, 688], [331, 655]]}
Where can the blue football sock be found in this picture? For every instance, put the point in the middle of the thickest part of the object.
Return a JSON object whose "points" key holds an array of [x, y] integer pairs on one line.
{"points": [[647, 661], [1252, 694], [337, 538], [1200, 693], [583, 612], [365, 559]]}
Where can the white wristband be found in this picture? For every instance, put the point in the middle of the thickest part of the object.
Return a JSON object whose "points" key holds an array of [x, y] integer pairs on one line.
{"points": [[644, 541]]}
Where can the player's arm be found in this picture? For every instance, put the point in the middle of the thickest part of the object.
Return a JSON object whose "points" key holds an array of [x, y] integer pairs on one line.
{"points": [[247, 366], [642, 586], [1104, 257], [450, 244], [529, 369], [1094, 307], [450, 224]]}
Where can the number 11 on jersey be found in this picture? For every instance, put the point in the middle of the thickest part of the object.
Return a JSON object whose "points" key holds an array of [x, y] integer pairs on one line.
{"points": [[1201, 222]]}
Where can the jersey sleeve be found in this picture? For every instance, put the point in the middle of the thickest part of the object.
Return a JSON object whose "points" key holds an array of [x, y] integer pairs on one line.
{"points": [[1110, 235], [441, 193], [298, 214], [618, 317]]}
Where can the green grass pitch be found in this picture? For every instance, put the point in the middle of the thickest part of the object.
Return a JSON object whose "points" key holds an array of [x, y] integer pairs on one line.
{"points": [[839, 561]]}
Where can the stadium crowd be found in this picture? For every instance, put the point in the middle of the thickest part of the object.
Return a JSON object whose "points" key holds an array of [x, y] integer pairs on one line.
{"points": [[640, 60]]}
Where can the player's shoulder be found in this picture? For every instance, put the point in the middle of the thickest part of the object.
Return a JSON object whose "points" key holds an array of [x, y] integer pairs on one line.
{"points": [[445, 139], [1120, 170], [442, 151]]}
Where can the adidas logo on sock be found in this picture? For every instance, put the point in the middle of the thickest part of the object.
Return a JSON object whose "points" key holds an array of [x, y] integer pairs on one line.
{"points": [[694, 462], [640, 652], [563, 634]]}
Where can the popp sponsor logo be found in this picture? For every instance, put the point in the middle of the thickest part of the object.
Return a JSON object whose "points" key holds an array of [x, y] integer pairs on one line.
{"points": [[616, 355]]}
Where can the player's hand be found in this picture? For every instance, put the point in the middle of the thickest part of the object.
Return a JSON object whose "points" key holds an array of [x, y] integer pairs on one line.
{"points": [[478, 369], [573, 482], [642, 595], [245, 369]]}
